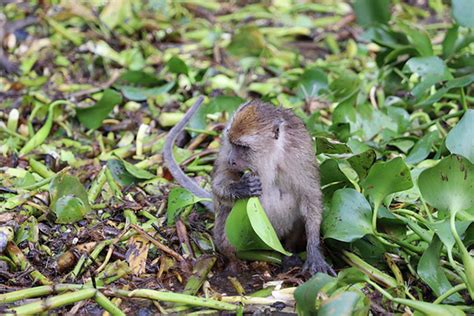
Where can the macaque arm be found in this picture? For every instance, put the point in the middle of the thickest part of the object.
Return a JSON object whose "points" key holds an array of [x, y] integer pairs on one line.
{"points": [[173, 167]]}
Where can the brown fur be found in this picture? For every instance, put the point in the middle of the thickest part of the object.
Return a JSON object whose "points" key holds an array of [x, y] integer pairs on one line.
{"points": [[280, 153]]}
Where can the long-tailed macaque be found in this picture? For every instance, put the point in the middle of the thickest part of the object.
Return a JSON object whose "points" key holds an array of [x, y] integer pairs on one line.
{"points": [[266, 152]]}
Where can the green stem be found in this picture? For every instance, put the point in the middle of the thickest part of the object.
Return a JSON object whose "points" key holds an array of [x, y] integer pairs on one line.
{"points": [[176, 298], [38, 291], [371, 271], [442, 118], [107, 304], [449, 292], [463, 99], [52, 302]]}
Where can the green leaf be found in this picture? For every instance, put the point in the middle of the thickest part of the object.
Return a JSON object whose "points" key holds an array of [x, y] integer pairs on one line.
{"points": [[138, 77], [43, 132], [177, 66], [262, 226], [372, 12], [385, 178], [449, 185], [331, 173], [119, 173], [463, 12], [137, 172], [69, 200], [422, 148], [248, 228], [460, 139], [69, 209], [342, 304], [143, 93], [307, 293], [418, 39], [327, 146], [449, 42], [247, 41], [93, 116], [178, 199], [349, 217], [443, 231], [362, 162], [432, 70], [430, 271], [312, 83]]}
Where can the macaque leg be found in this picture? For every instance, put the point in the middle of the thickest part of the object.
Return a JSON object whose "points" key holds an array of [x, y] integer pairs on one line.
{"points": [[312, 214]]}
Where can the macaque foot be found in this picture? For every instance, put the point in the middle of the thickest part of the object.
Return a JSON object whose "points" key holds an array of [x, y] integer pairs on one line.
{"points": [[248, 186], [318, 265]]}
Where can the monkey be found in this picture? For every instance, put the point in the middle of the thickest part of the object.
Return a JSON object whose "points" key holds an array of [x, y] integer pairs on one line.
{"points": [[265, 152]]}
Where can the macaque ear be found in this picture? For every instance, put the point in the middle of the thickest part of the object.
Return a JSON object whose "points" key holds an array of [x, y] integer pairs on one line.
{"points": [[276, 128]]}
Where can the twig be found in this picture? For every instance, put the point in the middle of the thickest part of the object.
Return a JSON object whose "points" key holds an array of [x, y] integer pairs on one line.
{"points": [[158, 244]]}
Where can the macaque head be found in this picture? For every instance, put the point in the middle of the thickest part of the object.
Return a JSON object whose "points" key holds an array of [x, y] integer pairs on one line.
{"points": [[252, 135]]}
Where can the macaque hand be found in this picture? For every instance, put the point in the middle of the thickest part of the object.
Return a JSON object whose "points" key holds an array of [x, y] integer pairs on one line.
{"points": [[249, 185]]}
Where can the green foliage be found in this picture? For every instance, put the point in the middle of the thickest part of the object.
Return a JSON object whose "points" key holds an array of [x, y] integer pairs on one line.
{"points": [[68, 199], [93, 116], [248, 228], [387, 99]]}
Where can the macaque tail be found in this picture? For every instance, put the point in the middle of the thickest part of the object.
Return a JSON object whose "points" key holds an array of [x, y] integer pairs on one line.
{"points": [[174, 168]]}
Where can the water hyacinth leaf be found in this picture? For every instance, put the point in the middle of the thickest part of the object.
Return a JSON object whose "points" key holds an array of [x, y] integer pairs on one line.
{"points": [[449, 185], [178, 199], [247, 41], [362, 162], [443, 231], [418, 38], [343, 304], [140, 78], [349, 217], [93, 116], [312, 83], [327, 146], [248, 228], [142, 93], [330, 173], [431, 70], [68, 199], [422, 148], [307, 293], [372, 12], [460, 139], [177, 66], [430, 271], [120, 173], [351, 276], [69, 209], [463, 12], [137, 172], [262, 226], [385, 178], [239, 230]]}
